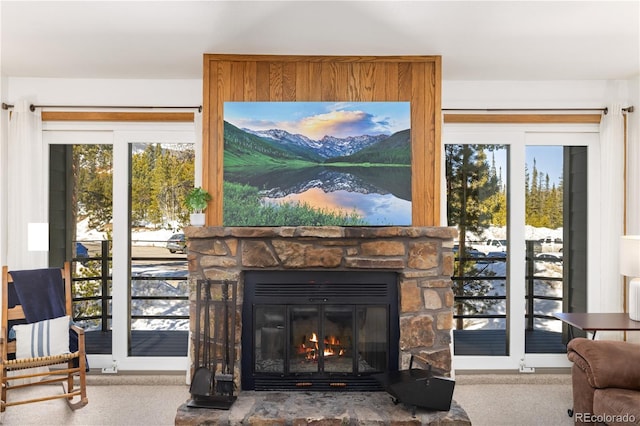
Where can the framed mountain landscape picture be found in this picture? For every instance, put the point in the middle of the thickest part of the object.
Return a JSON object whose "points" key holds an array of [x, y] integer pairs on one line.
{"points": [[317, 164]]}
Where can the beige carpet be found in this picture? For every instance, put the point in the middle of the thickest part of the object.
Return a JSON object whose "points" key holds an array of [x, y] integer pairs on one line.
{"points": [[514, 400], [113, 400], [527, 399]]}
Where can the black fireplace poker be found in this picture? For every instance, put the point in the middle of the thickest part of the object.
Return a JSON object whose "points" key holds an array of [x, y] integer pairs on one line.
{"points": [[224, 379]]}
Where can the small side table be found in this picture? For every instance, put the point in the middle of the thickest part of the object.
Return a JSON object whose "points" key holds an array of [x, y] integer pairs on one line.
{"points": [[594, 322]]}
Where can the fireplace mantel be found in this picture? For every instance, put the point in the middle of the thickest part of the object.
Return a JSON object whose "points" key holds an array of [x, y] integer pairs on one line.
{"points": [[421, 256]]}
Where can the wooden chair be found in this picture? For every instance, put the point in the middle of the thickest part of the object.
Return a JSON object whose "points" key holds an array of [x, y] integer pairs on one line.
{"points": [[21, 372]]}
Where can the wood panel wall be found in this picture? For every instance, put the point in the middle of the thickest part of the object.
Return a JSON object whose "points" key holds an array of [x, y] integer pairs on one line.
{"points": [[416, 79]]}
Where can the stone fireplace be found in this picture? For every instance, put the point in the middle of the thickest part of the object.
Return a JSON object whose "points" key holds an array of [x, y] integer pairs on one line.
{"points": [[420, 259]]}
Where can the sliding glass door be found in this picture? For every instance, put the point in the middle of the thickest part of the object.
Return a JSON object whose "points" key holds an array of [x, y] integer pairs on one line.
{"points": [[120, 217], [519, 198]]}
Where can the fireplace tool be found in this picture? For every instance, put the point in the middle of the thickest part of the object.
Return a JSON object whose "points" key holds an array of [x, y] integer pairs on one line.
{"points": [[201, 382], [210, 387], [224, 379]]}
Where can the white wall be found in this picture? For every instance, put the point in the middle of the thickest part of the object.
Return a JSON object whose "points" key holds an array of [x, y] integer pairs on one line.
{"points": [[524, 94], [98, 92]]}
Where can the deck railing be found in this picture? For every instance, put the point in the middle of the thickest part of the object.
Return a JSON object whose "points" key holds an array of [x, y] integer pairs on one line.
{"points": [[102, 297], [530, 296]]}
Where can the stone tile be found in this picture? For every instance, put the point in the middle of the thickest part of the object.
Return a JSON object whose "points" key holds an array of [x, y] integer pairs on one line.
{"points": [[319, 409]]}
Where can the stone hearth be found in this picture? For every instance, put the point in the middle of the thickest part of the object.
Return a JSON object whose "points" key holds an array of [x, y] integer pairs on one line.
{"points": [[320, 409], [422, 257]]}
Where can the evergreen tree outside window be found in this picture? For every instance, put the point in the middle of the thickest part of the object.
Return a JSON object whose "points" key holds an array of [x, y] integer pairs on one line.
{"points": [[476, 200]]}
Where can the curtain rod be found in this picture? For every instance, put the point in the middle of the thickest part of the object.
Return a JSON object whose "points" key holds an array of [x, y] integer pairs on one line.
{"points": [[33, 107], [605, 109]]}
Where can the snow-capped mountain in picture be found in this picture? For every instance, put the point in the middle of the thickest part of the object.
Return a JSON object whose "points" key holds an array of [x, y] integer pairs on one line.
{"points": [[327, 147]]}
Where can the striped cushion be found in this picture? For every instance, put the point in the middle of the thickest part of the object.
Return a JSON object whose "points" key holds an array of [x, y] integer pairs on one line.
{"points": [[43, 338]]}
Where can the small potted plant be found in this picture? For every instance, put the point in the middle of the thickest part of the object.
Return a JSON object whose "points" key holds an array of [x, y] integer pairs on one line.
{"points": [[196, 202]]}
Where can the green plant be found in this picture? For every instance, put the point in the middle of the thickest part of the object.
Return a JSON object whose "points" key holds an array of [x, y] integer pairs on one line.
{"points": [[197, 199]]}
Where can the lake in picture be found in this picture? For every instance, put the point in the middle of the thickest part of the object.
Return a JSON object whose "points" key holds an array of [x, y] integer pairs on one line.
{"points": [[317, 164]]}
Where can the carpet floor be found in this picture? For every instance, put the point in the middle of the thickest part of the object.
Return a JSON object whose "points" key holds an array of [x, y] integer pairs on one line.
{"points": [[122, 400]]}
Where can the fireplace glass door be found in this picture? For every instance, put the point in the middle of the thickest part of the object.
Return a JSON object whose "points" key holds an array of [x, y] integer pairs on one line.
{"points": [[320, 339], [325, 345], [304, 339]]}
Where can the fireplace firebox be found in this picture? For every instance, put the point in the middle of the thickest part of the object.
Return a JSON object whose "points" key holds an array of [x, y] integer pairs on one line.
{"points": [[319, 330]]}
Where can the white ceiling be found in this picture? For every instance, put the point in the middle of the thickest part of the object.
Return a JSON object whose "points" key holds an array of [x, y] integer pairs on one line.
{"points": [[478, 40]]}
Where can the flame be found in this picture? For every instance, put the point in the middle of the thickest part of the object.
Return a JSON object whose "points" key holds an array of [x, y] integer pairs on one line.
{"points": [[331, 347], [332, 340]]}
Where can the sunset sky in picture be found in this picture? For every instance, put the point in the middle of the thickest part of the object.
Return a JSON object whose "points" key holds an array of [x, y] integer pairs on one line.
{"points": [[318, 119]]}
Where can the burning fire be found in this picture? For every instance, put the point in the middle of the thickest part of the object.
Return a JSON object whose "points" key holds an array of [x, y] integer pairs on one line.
{"points": [[331, 347]]}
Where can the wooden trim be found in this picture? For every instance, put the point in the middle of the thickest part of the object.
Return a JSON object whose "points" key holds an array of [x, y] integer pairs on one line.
{"points": [[173, 117], [436, 86], [272, 78], [15, 313], [318, 58], [523, 118]]}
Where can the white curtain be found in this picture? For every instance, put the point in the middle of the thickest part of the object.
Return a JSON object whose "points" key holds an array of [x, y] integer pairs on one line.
{"points": [[611, 208], [633, 174], [27, 192], [633, 165], [197, 121]]}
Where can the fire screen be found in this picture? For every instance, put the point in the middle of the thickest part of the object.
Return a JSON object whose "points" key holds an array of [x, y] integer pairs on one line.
{"points": [[317, 330]]}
